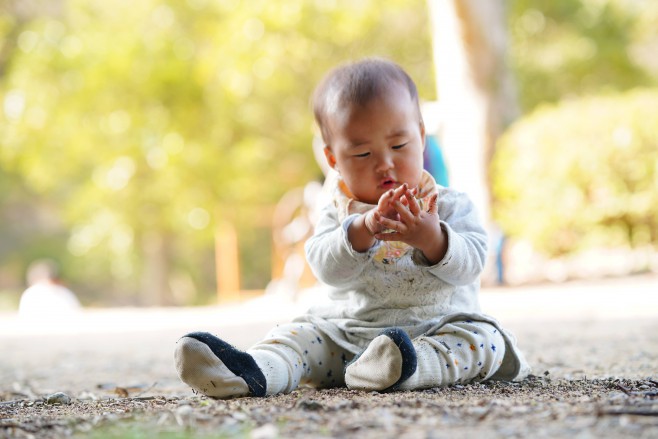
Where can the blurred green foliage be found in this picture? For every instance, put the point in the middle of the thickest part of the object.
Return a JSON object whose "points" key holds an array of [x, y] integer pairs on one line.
{"points": [[126, 123], [580, 168], [582, 174], [129, 129], [568, 48]]}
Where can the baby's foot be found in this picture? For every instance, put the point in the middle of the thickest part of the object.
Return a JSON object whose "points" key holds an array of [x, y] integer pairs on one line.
{"points": [[215, 368], [387, 361]]}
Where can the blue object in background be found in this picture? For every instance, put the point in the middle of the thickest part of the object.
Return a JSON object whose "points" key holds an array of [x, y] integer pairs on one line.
{"points": [[433, 161]]}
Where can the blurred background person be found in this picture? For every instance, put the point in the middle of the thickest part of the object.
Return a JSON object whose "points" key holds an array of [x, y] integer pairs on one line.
{"points": [[45, 294]]}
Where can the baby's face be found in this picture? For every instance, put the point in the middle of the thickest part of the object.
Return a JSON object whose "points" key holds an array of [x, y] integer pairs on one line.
{"points": [[379, 146]]}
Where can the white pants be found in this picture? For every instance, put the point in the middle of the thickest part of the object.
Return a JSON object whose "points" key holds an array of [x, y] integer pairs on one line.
{"points": [[299, 353]]}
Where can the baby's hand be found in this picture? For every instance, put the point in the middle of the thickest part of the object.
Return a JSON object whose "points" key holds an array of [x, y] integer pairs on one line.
{"points": [[367, 227], [384, 209], [412, 225]]}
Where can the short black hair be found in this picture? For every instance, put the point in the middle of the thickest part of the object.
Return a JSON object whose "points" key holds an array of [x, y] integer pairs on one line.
{"points": [[357, 83]]}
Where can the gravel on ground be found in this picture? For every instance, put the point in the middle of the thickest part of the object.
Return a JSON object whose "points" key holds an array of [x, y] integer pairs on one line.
{"points": [[594, 356]]}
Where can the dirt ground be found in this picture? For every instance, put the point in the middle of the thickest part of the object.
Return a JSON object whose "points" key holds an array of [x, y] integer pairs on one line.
{"points": [[593, 348]]}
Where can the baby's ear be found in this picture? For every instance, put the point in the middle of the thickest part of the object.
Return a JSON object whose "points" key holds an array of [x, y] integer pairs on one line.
{"points": [[329, 155]]}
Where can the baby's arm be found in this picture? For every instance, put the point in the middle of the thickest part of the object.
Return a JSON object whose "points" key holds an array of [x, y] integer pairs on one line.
{"points": [[467, 240], [451, 229], [330, 254], [360, 235]]}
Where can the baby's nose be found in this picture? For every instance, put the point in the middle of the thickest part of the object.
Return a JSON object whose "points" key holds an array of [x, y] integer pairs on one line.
{"points": [[384, 163]]}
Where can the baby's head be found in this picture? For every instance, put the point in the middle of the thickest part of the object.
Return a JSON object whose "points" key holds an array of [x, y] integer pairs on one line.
{"points": [[42, 270], [369, 117]]}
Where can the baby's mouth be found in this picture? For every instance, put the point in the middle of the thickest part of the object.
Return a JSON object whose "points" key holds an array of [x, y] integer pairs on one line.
{"points": [[388, 183]]}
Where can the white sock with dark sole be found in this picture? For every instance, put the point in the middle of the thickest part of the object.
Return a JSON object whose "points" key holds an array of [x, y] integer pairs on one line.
{"points": [[387, 362], [217, 369]]}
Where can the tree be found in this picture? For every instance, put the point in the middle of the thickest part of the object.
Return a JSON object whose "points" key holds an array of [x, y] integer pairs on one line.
{"points": [[569, 48], [147, 123], [575, 172], [475, 88], [597, 190]]}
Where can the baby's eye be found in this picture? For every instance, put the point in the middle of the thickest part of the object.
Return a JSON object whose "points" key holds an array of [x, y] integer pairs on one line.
{"points": [[400, 146], [363, 154]]}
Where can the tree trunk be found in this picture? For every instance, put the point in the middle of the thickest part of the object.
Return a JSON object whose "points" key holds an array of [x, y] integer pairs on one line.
{"points": [[475, 89], [155, 276], [227, 262], [478, 100]]}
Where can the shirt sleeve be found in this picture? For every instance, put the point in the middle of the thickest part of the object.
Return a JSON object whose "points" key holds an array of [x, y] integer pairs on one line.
{"points": [[330, 254], [467, 240]]}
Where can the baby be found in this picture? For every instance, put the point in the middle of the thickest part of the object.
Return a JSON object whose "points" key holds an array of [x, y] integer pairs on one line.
{"points": [[401, 255]]}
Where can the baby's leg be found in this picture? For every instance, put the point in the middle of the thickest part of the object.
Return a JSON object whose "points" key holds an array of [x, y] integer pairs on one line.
{"points": [[460, 352], [275, 365], [296, 354]]}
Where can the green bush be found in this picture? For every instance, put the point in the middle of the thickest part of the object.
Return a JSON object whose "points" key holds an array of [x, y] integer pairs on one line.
{"points": [[581, 174]]}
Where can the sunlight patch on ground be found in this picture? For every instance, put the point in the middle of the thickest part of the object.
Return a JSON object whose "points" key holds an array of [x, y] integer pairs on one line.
{"points": [[605, 299]]}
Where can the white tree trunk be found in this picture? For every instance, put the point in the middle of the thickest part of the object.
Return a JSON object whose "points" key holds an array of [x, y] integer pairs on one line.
{"points": [[474, 88], [477, 97]]}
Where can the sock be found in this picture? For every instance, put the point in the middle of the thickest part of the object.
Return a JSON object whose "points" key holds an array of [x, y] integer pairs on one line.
{"points": [[215, 368], [388, 360], [281, 366], [429, 372]]}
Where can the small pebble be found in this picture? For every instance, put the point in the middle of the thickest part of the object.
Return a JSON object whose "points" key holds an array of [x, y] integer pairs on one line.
{"points": [[267, 431], [58, 398], [184, 415], [309, 404]]}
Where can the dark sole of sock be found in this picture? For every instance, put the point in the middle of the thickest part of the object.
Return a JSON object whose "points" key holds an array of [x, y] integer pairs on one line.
{"points": [[240, 363]]}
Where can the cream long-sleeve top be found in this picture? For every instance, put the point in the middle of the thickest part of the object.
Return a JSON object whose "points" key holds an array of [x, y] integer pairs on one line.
{"points": [[393, 285]]}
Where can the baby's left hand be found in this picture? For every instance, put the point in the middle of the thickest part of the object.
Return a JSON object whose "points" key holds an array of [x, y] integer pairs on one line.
{"points": [[415, 227]]}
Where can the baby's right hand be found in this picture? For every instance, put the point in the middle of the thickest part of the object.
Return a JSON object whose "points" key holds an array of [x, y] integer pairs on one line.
{"points": [[384, 209], [370, 220]]}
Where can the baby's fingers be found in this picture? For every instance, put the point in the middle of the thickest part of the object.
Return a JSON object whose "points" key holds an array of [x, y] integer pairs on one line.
{"points": [[404, 212], [412, 203], [386, 199], [391, 236], [390, 224], [434, 204], [399, 192]]}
